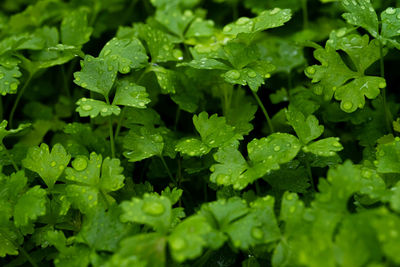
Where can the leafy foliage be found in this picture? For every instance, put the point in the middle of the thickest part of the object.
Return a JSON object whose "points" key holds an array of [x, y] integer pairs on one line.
{"points": [[204, 133]]}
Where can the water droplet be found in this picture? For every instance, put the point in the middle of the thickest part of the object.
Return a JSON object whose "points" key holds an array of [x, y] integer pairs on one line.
{"points": [[233, 74], [177, 243], [14, 86], [341, 33], [1, 75], [252, 74], [110, 68], [382, 85], [345, 2], [84, 85], [227, 28], [107, 52], [275, 11], [53, 164], [104, 110], [310, 70], [242, 21], [79, 164], [141, 104], [188, 13], [87, 107], [126, 69], [277, 148], [153, 208], [166, 47], [347, 105], [390, 11], [257, 233]]}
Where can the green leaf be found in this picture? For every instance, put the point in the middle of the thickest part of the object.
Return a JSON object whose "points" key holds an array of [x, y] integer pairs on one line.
{"points": [[4, 133], [259, 226], [152, 210], [265, 155], [30, 206], [128, 53], [175, 21], [9, 82], [307, 129], [49, 165], [159, 43], [325, 147], [74, 28], [97, 74], [361, 13], [223, 212], [189, 238], [333, 77], [142, 143], [214, 130], [388, 157], [102, 230], [266, 20], [90, 181], [192, 147], [91, 107], [386, 225], [131, 94], [166, 78], [147, 247]]}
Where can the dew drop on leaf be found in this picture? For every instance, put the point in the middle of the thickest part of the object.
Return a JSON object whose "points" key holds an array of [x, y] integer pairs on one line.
{"points": [[390, 11], [153, 208], [227, 29], [87, 107], [79, 163], [347, 105], [233, 74], [178, 243], [242, 21], [257, 233], [252, 74], [53, 164], [277, 148]]}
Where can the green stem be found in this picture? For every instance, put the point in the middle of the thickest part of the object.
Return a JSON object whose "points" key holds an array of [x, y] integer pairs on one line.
{"points": [[310, 174], [388, 115], [261, 105], [20, 93], [290, 82], [119, 125], [122, 115], [167, 169], [203, 259], [9, 157], [177, 116], [305, 14], [111, 131]]}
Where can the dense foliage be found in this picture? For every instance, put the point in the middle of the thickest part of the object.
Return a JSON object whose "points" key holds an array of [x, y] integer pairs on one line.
{"points": [[199, 133]]}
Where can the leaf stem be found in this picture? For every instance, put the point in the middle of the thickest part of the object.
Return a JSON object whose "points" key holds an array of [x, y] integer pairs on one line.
{"points": [[111, 131], [122, 115], [261, 105], [388, 115], [167, 169], [305, 14], [20, 93], [119, 125], [310, 176]]}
